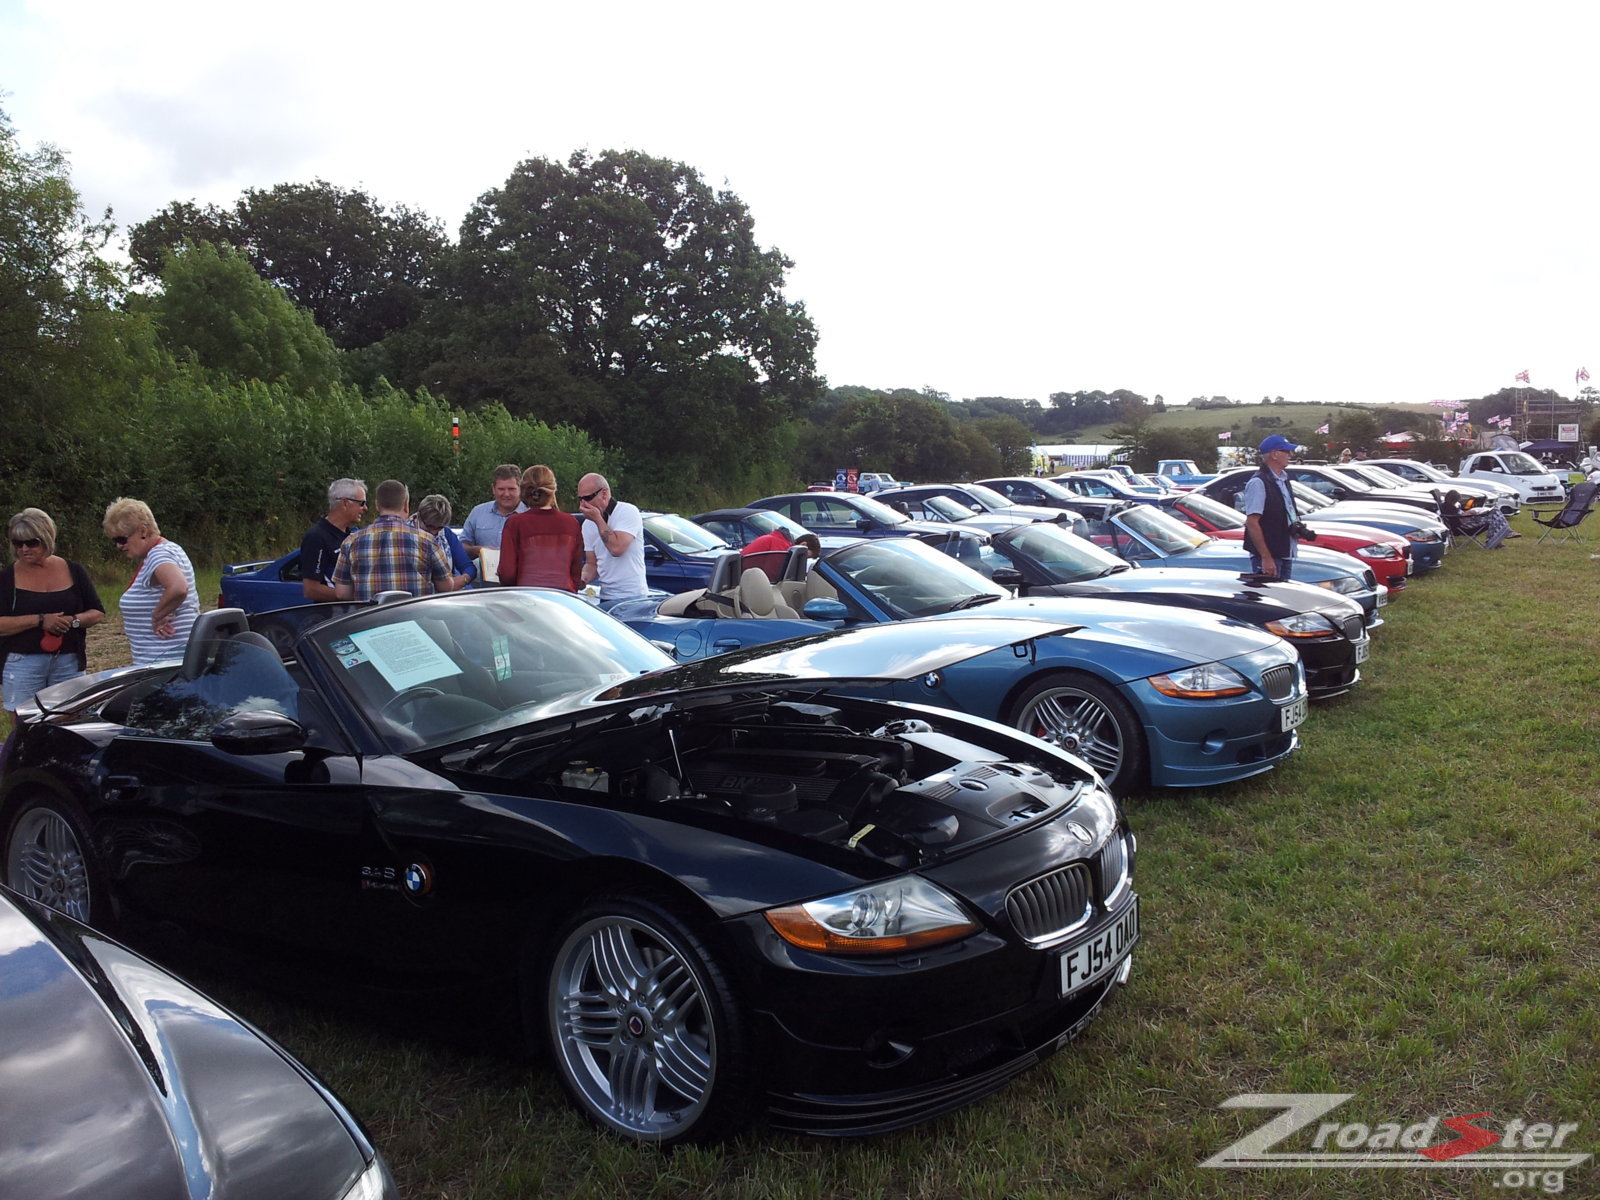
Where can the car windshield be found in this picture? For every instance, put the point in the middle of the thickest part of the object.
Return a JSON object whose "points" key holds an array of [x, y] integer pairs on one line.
{"points": [[1519, 463], [986, 497], [946, 509], [1052, 489], [764, 521], [1378, 477], [909, 578], [1066, 557], [682, 534], [446, 668], [1308, 499], [1166, 533], [1416, 472], [877, 510], [1212, 512]]}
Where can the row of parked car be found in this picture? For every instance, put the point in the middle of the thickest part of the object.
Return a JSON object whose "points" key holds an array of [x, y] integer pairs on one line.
{"points": [[839, 840]]}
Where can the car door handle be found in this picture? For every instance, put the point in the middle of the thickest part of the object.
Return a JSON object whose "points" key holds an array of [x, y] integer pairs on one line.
{"points": [[119, 788]]}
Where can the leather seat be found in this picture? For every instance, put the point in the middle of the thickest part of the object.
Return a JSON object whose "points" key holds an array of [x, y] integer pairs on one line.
{"points": [[759, 599]]}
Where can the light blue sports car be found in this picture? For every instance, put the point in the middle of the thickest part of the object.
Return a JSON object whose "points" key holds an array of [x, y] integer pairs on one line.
{"points": [[1143, 693]]}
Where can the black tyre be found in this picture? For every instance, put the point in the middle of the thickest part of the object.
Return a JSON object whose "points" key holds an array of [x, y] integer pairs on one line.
{"points": [[645, 1031], [49, 858], [1087, 718]]}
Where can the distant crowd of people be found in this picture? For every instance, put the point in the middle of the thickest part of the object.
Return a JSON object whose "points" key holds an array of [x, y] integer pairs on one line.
{"points": [[519, 537]]}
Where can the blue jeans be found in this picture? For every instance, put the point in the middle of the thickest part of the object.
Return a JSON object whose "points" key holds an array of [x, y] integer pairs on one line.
{"points": [[1285, 565], [27, 673]]}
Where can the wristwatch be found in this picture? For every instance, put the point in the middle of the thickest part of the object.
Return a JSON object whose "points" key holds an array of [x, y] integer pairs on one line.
{"points": [[76, 624]]}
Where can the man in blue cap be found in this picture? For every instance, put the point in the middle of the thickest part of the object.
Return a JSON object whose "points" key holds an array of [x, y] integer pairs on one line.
{"points": [[1269, 511]]}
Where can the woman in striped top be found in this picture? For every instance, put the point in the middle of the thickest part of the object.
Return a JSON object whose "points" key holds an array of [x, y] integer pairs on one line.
{"points": [[161, 604]]}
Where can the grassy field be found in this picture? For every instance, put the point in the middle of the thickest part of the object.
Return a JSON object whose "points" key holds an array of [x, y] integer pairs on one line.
{"points": [[1304, 417], [1407, 911]]}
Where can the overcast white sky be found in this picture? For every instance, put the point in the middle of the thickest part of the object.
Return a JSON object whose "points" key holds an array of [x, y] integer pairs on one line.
{"points": [[1365, 201]]}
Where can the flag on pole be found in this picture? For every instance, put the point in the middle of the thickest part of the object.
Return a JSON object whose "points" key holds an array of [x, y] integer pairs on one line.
{"points": [[1322, 429], [1224, 435], [1583, 373], [1522, 377]]}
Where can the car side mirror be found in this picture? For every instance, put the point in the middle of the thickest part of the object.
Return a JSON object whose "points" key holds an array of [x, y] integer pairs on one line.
{"points": [[258, 733], [825, 608], [1007, 577], [866, 524], [652, 554]]}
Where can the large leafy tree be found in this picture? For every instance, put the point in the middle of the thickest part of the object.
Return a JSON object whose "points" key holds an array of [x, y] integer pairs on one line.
{"points": [[214, 309], [56, 297], [635, 279], [363, 271]]}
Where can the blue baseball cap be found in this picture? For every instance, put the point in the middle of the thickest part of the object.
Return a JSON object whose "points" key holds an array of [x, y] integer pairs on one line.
{"points": [[1277, 442]]}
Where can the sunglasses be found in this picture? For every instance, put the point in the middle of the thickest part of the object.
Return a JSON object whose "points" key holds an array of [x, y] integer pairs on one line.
{"points": [[120, 541], [353, 500], [26, 543], [590, 496]]}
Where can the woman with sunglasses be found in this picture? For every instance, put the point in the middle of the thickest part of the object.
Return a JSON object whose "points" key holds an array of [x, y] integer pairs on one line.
{"points": [[161, 604], [47, 604]]}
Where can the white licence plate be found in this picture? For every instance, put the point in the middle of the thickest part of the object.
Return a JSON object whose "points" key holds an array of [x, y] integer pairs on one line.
{"points": [[1094, 957], [1362, 650], [1383, 595], [1290, 715]]}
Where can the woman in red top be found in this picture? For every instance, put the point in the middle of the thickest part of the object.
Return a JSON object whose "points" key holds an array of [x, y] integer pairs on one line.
{"points": [[542, 547]]}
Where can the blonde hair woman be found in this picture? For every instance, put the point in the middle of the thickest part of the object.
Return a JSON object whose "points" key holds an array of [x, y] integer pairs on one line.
{"points": [[161, 604], [542, 547], [47, 604]]}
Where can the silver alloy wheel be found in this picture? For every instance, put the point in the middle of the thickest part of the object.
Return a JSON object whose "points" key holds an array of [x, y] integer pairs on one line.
{"points": [[1080, 724], [632, 1027], [45, 863]]}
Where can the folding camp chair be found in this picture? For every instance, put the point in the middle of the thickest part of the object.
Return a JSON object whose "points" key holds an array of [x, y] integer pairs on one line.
{"points": [[1466, 528], [1564, 525], [1467, 525]]}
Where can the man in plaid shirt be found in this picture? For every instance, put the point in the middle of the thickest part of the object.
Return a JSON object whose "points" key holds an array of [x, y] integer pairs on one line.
{"points": [[393, 555]]}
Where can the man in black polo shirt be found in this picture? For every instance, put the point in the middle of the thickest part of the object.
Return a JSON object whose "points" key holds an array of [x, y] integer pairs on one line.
{"points": [[319, 549]]}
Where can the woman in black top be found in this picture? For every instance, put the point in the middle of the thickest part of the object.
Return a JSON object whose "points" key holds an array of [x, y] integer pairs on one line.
{"points": [[46, 606]]}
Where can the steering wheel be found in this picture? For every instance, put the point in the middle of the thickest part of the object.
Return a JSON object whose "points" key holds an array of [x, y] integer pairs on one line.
{"points": [[405, 697]]}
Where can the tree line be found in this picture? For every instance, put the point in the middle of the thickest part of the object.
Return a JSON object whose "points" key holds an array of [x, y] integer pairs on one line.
{"points": [[611, 312]]}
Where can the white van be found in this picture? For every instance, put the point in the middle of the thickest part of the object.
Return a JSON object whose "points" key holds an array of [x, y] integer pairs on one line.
{"points": [[1516, 469]]}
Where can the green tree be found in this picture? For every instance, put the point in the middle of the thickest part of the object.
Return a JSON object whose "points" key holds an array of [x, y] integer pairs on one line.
{"points": [[362, 270], [1357, 427], [627, 272], [214, 308], [1011, 443], [53, 282]]}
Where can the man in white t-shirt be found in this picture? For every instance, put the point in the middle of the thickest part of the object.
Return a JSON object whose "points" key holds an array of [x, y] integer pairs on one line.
{"points": [[613, 542]]}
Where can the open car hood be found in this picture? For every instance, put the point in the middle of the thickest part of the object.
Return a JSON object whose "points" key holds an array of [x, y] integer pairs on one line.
{"points": [[870, 654]]}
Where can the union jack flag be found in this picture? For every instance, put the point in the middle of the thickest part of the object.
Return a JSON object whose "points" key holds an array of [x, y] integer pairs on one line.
{"points": [[1224, 435], [1522, 377], [1583, 373], [1322, 429]]}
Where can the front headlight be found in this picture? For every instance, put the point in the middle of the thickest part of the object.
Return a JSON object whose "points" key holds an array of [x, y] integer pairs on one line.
{"points": [[1345, 585], [1303, 625], [1208, 681], [1377, 550], [1422, 535], [374, 1183], [904, 913]]}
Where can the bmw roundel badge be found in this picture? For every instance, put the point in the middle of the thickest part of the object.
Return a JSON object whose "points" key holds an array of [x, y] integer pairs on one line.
{"points": [[418, 879]]}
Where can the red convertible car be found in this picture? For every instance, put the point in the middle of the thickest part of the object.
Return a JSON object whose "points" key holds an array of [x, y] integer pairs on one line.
{"points": [[1387, 553]]}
